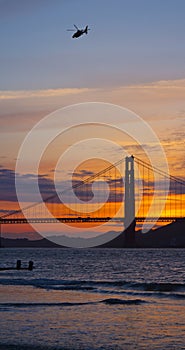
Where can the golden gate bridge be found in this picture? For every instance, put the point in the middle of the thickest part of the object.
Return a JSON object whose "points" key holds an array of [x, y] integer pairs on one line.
{"points": [[131, 197]]}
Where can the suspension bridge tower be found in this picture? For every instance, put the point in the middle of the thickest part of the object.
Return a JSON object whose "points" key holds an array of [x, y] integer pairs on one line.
{"points": [[129, 220]]}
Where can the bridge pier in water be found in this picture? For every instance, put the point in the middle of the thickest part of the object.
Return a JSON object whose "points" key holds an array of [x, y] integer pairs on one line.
{"points": [[129, 221]]}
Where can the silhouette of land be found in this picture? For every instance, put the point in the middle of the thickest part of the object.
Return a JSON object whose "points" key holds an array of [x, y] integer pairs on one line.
{"points": [[27, 243], [168, 236]]}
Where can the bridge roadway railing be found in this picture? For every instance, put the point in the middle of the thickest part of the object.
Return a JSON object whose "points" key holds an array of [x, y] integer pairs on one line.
{"points": [[85, 220]]}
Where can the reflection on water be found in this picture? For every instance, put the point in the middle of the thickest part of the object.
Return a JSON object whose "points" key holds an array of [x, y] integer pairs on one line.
{"points": [[94, 299]]}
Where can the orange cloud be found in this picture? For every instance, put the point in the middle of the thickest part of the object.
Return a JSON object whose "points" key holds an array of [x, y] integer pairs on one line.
{"points": [[22, 94]]}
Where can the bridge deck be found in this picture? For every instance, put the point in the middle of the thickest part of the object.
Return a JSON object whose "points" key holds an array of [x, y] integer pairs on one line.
{"points": [[84, 220]]}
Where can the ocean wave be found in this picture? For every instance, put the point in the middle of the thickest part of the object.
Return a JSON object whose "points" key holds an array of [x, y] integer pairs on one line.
{"points": [[24, 305], [159, 286], [109, 301], [113, 301], [98, 286]]}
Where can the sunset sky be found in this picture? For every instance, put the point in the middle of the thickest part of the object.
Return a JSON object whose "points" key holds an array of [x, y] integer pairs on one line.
{"points": [[133, 56]]}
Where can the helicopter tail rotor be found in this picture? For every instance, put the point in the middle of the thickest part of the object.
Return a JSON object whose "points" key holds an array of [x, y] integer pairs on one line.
{"points": [[86, 29]]}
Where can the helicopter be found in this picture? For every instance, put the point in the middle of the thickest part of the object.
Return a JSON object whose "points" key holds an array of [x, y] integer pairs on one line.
{"points": [[79, 32]]}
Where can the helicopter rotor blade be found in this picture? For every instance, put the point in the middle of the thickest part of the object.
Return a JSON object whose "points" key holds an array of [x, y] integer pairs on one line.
{"points": [[70, 30], [75, 26]]}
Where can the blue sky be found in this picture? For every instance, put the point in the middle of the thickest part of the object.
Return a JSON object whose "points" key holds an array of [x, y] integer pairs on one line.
{"points": [[129, 42]]}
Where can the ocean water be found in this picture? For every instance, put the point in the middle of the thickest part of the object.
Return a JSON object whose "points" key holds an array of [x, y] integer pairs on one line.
{"points": [[93, 299]]}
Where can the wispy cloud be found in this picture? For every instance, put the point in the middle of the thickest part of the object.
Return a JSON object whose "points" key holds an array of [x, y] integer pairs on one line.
{"points": [[8, 190], [160, 84], [47, 187], [160, 103], [175, 85], [24, 94]]}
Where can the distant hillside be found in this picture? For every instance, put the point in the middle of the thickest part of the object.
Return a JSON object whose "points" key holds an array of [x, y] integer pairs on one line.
{"points": [[26, 243], [169, 236]]}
